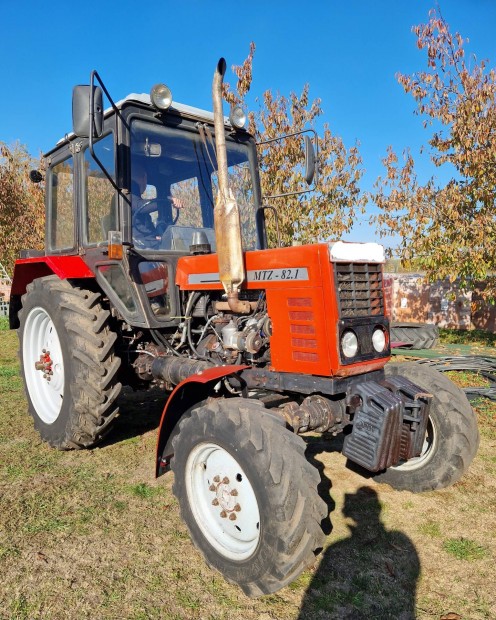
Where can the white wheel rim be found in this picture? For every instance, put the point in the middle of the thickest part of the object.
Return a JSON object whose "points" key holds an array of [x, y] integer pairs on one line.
{"points": [[41, 345], [428, 449], [222, 501]]}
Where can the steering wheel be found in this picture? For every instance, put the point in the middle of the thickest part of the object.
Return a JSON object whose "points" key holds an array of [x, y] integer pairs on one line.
{"points": [[157, 202]]}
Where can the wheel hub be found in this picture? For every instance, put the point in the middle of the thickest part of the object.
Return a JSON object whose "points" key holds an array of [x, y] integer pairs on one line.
{"points": [[223, 501], [225, 497], [44, 364], [428, 450]]}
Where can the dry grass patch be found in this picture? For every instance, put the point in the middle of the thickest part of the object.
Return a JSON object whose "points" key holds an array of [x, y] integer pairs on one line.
{"points": [[92, 534]]}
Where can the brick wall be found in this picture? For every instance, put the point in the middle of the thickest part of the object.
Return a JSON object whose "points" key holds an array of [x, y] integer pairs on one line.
{"points": [[412, 299]]}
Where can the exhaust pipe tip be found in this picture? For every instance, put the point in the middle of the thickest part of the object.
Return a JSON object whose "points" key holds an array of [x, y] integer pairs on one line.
{"points": [[221, 67]]}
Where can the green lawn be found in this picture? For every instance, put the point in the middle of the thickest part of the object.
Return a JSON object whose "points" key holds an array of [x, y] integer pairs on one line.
{"points": [[92, 534]]}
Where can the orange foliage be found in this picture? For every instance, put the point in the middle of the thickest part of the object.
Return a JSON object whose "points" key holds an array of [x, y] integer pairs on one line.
{"points": [[22, 210], [330, 210], [449, 229]]}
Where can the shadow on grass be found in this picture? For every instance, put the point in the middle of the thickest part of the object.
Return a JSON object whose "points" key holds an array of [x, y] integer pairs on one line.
{"points": [[139, 413], [372, 573], [316, 445]]}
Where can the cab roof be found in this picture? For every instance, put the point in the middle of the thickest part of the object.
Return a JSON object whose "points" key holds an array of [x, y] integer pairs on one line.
{"points": [[180, 109]]}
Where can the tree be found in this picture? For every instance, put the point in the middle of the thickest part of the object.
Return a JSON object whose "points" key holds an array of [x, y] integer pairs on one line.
{"points": [[449, 229], [330, 210], [22, 211]]}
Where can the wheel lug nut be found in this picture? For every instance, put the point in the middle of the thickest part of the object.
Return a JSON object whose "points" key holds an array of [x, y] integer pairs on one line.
{"points": [[212, 487], [234, 492], [237, 508], [225, 480], [217, 479], [215, 502], [232, 517], [223, 514]]}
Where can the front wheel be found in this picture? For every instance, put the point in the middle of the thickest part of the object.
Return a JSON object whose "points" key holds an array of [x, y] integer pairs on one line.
{"points": [[451, 439], [247, 494]]}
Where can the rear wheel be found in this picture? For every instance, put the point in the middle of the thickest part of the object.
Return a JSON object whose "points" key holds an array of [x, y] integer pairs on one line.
{"points": [[247, 494], [451, 439], [68, 363]]}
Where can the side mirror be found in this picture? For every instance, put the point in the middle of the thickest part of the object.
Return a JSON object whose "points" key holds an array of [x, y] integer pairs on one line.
{"points": [[87, 111], [310, 160]]}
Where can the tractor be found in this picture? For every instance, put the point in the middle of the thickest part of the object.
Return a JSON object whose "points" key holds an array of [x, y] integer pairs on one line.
{"points": [[157, 272]]}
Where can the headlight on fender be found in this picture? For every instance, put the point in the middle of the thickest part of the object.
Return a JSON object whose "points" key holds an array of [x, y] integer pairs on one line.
{"points": [[379, 339], [349, 343]]}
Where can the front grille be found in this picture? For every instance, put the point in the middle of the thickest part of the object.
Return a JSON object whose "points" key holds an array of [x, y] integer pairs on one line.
{"points": [[359, 289]]}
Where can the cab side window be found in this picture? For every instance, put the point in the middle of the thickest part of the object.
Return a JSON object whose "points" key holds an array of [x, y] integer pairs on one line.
{"points": [[61, 222], [100, 198]]}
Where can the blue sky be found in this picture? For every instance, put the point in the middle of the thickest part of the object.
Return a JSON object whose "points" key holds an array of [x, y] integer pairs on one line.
{"points": [[348, 52]]}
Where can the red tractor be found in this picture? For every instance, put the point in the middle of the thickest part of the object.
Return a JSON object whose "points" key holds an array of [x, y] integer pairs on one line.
{"points": [[156, 271]]}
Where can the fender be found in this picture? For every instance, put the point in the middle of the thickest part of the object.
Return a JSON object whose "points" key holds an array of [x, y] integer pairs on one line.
{"points": [[190, 392], [28, 269]]}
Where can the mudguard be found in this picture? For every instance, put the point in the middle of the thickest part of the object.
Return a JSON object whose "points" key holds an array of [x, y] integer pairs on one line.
{"points": [[28, 269], [186, 395]]}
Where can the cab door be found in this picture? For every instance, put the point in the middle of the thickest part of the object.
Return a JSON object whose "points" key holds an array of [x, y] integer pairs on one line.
{"points": [[61, 232]]}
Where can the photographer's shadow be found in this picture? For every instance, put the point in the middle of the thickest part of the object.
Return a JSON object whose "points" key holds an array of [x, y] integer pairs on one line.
{"points": [[370, 574]]}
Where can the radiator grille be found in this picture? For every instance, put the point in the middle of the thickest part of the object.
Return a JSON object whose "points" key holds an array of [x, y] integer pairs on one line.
{"points": [[359, 289], [302, 309]]}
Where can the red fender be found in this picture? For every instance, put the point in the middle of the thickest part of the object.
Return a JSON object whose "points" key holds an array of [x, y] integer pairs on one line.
{"points": [[28, 269], [183, 398]]}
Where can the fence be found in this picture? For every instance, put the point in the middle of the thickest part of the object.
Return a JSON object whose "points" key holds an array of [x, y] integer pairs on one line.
{"points": [[5, 285]]}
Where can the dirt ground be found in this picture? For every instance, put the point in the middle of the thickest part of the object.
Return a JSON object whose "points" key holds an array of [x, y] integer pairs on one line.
{"points": [[92, 534]]}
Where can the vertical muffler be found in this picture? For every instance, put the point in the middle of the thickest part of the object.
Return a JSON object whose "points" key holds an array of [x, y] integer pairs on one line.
{"points": [[226, 212]]}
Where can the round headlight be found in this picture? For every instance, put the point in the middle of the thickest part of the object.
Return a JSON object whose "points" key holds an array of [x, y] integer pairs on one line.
{"points": [[161, 96], [237, 117], [349, 343], [379, 339]]}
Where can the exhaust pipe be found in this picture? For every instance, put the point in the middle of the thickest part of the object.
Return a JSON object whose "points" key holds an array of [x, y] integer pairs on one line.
{"points": [[226, 212]]}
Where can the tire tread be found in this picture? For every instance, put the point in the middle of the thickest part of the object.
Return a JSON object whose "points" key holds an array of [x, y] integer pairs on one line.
{"points": [[460, 432], [296, 510], [415, 335], [93, 368]]}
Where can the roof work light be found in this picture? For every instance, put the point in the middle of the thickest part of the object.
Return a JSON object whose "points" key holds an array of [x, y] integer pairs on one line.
{"points": [[161, 96]]}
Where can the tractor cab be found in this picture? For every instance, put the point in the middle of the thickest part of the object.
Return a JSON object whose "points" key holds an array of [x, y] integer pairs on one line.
{"points": [[143, 176]]}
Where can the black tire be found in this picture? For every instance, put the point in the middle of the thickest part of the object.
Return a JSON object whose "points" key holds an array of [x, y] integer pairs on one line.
{"points": [[452, 436], [76, 409], [266, 470], [415, 335]]}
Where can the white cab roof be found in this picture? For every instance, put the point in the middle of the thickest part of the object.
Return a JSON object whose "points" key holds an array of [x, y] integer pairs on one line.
{"points": [[180, 108]]}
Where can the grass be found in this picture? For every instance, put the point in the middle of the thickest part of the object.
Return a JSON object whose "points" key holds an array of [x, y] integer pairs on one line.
{"points": [[92, 534], [476, 337], [430, 528], [465, 549], [143, 490]]}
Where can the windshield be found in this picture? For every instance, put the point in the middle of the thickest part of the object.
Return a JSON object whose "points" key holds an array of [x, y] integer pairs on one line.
{"points": [[174, 187]]}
